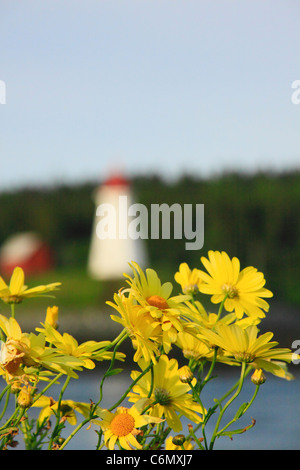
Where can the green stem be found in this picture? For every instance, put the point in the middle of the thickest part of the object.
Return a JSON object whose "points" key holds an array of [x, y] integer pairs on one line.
{"points": [[131, 386], [244, 411], [213, 362], [12, 307], [241, 381], [117, 342], [234, 386], [121, 338], [7, 389], [75, 431], [192, 433], [63, 389], [221, 307], [49, 385]]}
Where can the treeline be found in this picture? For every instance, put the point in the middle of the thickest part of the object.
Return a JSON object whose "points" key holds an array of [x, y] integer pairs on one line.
{"points": [[254, 217]]}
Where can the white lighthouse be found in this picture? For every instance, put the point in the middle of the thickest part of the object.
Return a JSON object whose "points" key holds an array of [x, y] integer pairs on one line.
{"points": [[111, 246]]}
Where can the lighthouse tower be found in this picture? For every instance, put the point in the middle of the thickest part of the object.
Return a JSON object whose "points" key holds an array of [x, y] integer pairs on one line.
{"points": [[111, 252]]}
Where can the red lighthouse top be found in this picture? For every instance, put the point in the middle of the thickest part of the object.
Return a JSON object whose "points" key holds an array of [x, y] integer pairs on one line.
{"points": [[116, 180]]}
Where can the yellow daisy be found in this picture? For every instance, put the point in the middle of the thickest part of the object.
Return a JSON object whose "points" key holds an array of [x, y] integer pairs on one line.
{"points": [[193, 347], [156, 300], [188, 279], [197, 313], [67, 407], [141, 327], [67, 346], [26, 350], [170, 396], [243, 290], [245, 345], [16, 291], [121, 427]]}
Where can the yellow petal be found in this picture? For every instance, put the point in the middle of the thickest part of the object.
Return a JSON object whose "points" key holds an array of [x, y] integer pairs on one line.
{"points": [[16, 281]]}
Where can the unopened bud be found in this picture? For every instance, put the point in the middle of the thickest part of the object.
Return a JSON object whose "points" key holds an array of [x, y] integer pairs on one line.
{"points": [[25, 397], [178, 440], [15, 387], [52, 316], [258, 377], [185, 374]]}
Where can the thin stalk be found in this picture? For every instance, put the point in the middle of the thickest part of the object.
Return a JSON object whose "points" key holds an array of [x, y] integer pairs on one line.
{"points": [[241, 381], [244, 411], [63, 389], [7, 389], [234, 386], [121, 338], [75, 431], [221, 307], [131, 386], [47, 387], [12, 308]]}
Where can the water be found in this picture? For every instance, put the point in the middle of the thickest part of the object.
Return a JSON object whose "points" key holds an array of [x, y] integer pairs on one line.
{"points": [[276, 410]]}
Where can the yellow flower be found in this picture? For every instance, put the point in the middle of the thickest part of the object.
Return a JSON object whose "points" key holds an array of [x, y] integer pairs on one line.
{"points": [[193, 347], [244, 345], [121, 427], [156, 300], [170, 397], [141, 327], [243, 290], [67, 408], [197, 313], [188, 279], [27, 350], [68, 347], [17, 291]]}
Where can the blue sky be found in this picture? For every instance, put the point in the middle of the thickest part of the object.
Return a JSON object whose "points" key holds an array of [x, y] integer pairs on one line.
{"points": [[148, 86]]}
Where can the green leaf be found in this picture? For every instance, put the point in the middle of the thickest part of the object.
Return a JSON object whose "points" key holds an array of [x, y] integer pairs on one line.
{"points": [[113, 372], [240, 411], [237, 431]]}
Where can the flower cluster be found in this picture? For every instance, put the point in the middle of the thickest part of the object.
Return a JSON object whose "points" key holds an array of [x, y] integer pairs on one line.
{"points": [[174, 339]]}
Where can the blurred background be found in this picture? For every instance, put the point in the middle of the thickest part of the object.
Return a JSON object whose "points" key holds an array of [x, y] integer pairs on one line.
{"points": [[192, 102]]}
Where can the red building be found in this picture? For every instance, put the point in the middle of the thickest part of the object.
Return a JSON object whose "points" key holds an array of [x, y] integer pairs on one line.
{"points": [[28, 251]]}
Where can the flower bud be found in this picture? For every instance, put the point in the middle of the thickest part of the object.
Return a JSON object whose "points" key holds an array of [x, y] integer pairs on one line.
{"points": [[52, 316], [258, 377], [15, 387], [185, 374], [25, 397], [178, 440]]}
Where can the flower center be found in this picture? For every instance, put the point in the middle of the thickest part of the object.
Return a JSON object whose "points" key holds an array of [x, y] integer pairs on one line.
{"points": [[162, 396], [122, 424], [230, 290], [244, 356], [157, 301], [191, 289]]}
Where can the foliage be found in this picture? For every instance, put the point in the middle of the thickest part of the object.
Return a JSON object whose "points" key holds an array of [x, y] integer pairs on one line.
{"points": [[254, 216]]}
